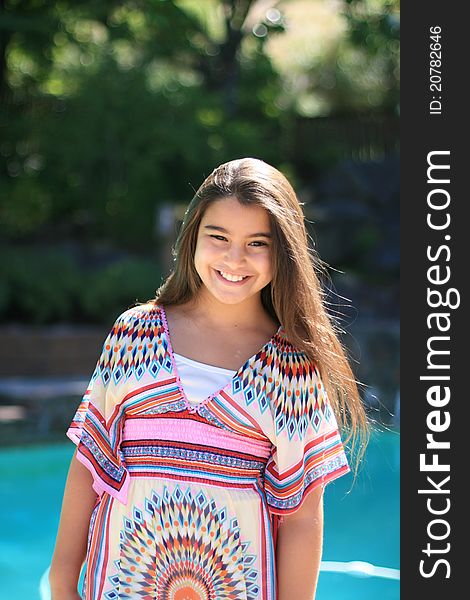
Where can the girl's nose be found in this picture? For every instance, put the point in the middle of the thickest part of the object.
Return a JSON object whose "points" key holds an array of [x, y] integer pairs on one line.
{"points": [[234, 255]]}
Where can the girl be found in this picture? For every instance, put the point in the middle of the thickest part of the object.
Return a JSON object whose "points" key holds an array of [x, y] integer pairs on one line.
{"points": [[210, 426]]}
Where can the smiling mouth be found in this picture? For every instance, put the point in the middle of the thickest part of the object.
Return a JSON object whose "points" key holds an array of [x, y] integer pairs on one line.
{"points": [[231, 278]]}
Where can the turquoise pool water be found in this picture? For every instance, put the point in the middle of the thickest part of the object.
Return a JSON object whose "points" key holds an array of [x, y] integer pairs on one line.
{"points": [[361, 520]]}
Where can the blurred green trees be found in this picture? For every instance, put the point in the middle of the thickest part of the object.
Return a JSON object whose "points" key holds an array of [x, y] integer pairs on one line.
{"points": [[110, 109]]}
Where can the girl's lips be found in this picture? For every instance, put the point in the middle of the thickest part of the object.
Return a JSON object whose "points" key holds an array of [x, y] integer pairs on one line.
{"points": [[233, 283]]}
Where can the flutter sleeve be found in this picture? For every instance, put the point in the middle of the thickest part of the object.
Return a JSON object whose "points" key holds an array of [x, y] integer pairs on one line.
{"points": [[96, 428], [307, 449]]}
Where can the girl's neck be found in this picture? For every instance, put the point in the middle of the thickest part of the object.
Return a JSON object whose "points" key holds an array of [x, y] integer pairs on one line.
{"points": [[207, 310]]}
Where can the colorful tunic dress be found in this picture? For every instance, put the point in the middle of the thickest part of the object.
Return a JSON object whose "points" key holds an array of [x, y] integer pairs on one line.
{"points": [[189, 495]]}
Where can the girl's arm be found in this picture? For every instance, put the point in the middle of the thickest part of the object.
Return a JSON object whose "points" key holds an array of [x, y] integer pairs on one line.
{"points": [[70, 549], [299, 549]]}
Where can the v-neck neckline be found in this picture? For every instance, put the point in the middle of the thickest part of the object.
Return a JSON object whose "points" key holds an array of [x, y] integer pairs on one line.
{"points": [[196, 407]]}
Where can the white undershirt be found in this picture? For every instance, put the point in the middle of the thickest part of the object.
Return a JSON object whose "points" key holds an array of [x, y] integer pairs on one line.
{"points": [[200, 380]]}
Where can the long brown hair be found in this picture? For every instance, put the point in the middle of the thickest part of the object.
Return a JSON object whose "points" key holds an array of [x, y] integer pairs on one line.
{"points": [[294, 297]]}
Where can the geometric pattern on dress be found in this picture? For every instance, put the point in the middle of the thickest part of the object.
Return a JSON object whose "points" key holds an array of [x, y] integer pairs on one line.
{"points": [[279, 375], [134, 346], [299, 401], [182, 545], [283, 377], [314, 474]]}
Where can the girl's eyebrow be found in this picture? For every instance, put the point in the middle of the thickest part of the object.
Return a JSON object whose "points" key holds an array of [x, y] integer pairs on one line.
{"points": [[217, 228]]}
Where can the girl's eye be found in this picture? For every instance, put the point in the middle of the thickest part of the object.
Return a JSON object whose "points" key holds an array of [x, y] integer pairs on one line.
{"points": [[222, 238]]}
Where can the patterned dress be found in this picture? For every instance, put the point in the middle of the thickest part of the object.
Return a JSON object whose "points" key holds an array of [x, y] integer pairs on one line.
{"points": [[189, 496]]}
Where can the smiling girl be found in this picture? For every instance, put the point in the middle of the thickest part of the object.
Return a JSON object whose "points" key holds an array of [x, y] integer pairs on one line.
{"points": [[211, 424]]}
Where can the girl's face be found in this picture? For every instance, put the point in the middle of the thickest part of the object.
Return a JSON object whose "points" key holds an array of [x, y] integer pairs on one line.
{"points": [[234, 241]]}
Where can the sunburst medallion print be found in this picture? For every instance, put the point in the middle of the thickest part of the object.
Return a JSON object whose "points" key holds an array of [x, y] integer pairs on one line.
{"points": [[182, 546]]}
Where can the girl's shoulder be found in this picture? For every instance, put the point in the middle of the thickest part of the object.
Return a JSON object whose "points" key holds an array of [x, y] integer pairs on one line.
{"points": [[138, 322], [294, 363], [142, 313]]}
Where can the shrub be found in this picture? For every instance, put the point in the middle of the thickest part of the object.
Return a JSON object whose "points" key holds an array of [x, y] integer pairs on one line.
{"points": [[40, 285], [118, 286], [45, 285]]}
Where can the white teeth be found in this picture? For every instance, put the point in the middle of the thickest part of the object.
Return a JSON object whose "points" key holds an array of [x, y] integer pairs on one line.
{"points": [[231, 277]]}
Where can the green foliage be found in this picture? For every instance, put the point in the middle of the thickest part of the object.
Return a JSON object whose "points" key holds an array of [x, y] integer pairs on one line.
{"points": [[118, 286], [25, 207], [38, 286], [108, 109], [368, 70], [124, 109], [48, 285]]}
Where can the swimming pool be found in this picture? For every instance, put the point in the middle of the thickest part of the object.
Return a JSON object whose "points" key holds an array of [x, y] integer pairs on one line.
{"points": [[361, 520]]}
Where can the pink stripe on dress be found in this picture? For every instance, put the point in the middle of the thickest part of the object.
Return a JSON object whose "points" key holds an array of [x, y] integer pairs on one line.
{"points": [[193, 432]]}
